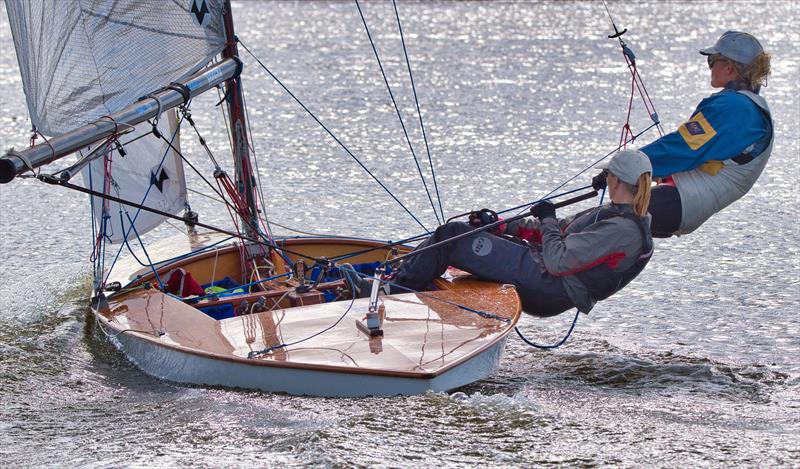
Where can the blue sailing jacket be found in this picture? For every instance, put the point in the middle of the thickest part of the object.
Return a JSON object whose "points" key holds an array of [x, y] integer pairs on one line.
{"points": [[724, 125]]}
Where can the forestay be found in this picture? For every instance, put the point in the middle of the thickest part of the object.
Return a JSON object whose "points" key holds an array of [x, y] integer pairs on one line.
{"points": [[81, 59]]}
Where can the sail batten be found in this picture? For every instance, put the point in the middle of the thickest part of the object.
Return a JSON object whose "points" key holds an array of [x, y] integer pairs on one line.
{"points": [[83, 59]]}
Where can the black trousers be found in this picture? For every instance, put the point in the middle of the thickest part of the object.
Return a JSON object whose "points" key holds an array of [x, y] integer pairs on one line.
{"points": [[491, 258], [666, 211]]}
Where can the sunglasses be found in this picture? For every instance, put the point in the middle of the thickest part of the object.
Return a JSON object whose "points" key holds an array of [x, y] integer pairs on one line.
{"points": [[712, 59]]}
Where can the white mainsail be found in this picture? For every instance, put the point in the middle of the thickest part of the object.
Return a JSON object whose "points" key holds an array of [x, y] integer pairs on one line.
{"points": [[84, 59], [150, 174]]}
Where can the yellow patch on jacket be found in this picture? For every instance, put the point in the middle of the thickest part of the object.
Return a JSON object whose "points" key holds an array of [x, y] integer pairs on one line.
{"points": [[697, 131]]}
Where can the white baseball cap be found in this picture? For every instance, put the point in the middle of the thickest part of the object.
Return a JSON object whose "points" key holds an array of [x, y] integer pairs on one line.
{"points": [[628, 165]]}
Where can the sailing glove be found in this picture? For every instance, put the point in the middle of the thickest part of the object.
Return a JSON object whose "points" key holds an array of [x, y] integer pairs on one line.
{"points": [[599, 182], [485, 217], [543, 209], [482, 217]]}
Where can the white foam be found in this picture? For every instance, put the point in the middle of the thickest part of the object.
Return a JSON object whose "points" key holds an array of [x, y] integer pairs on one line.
{"points": [[498, 402], [43, 293]]}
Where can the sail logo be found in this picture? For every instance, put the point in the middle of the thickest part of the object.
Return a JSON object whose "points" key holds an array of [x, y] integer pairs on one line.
{"points": [[157, 178], [200, 12]]}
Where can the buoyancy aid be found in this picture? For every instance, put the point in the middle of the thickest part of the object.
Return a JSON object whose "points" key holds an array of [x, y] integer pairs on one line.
{"points": [[603, 281]]}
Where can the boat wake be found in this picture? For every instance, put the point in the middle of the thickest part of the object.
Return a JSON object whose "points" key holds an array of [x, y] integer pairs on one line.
{"points": [[54, 287], [497, 403], [668, 373]]}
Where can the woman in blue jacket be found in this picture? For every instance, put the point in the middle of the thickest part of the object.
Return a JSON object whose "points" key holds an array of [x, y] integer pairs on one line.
{"points": [[716, 156]]}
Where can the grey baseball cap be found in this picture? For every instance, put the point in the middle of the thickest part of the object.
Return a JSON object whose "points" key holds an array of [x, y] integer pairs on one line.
{"points": [[737, 46], [628, 165]]}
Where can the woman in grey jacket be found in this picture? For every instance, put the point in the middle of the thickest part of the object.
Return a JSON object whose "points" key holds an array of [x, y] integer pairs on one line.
{"points": [[562, 264]]}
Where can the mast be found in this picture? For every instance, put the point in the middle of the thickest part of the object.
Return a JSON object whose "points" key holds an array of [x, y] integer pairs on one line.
{"points": [[245, 183], [254, 255]]}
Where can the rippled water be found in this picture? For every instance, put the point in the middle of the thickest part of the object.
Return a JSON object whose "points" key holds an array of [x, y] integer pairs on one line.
{"points": [[695, 363]]}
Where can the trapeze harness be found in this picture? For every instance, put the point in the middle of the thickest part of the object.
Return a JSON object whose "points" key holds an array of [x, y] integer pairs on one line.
{"points": [[602, 281]]}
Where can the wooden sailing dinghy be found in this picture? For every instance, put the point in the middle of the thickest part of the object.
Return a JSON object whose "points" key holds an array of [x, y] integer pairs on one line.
{"points": [[427, 343], [261, 312]]}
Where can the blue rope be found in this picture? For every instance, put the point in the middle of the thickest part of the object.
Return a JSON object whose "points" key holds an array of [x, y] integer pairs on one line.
{"points": [[397, 110], [335, 138], [139, 210], [556, 345], [141, 243], [419, 113]]}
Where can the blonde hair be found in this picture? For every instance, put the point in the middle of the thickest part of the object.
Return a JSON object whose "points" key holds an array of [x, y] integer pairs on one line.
{"points": [[757, 72], [641, 200], [640, 192]]}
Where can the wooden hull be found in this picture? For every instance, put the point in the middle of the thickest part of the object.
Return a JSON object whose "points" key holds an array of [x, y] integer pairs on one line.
{"points": [[428, 342]]}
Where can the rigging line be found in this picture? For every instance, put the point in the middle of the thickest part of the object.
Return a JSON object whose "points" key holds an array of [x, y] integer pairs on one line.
{"points": [[144, 198], [484, 228], [419, 112], [222, 199], [144, 250], [397, 110], [167, 262], [630, 60], [173, 260], [259, 185], [50, 179], [341, 144], [647, 100], [309, 233], [222, 97], [203, 194], [96, 257], [548, 197], [382, 246], [186, 113], [590, 166], [612, 19], [178, 229], [424, 235], [94, 154], [264, 219]]}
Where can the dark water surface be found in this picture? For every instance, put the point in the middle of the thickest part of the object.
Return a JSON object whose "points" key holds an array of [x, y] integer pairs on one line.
{"points": [[694, 364]]}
